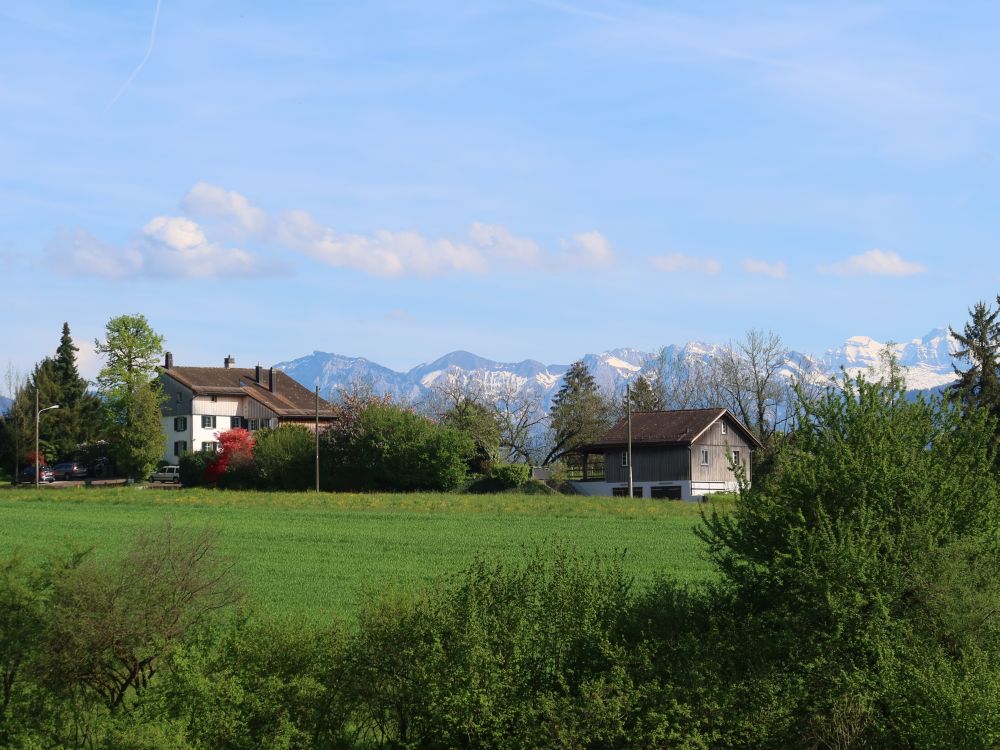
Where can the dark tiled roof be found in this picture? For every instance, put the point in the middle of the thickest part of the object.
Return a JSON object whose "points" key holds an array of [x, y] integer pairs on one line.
{"points": [[289, 399], [676, 427]]}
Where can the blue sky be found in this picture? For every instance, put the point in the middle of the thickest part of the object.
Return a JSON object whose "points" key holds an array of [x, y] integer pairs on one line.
{"points": [[397, 180]]}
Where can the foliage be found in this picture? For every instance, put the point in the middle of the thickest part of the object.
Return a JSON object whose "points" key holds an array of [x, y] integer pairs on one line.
{"points": [[130, 394], [579, 413], [508, 476], [285, 457], [978, 386], [865, 558], [193, 467], [473, 418], [389, 447], [233, 465]]}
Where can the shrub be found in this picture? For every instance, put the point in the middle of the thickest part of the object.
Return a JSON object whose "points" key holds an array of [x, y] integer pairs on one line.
{"points": [[194, 465], [285, 457], [392, 448], [508, 476]]}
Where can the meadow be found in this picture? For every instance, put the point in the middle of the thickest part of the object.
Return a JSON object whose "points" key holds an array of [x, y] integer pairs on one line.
{"points": [[315, 555]]}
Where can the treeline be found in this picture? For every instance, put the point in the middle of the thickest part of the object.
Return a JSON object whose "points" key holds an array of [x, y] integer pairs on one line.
{"points": [[853, 607]]}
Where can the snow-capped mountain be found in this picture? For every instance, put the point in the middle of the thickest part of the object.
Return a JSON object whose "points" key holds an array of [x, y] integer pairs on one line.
{"points": [[928, 363]]}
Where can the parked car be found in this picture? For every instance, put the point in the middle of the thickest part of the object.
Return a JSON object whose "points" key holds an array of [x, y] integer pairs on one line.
{"points": [[167, 474], [44, 474], [69, 470]]}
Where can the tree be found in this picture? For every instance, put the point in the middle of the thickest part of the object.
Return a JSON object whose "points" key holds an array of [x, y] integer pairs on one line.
{"points": [[131, 394], [235, 459], [978, 387], [644, 397], [78, 419], [865, 571], [468, 411], [579, 412], [747, 377], [519, 414]]}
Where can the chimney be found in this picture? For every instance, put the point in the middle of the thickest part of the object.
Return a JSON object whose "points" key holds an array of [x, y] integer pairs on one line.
{"points": [[168, 361], [258, 373], [271, 379], [229, 361]]}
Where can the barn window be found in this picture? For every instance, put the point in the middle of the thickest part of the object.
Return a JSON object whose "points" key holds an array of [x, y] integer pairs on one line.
{"points": [[704, 456], [724, 428], [624, 458], [736, 458]]}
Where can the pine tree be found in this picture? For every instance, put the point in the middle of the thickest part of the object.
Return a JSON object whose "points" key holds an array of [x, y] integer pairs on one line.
{"points": [[579, 412], [978, 387], [645, 397]]}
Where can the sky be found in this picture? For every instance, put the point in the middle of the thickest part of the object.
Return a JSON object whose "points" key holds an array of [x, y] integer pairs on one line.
{"points": [[518, 179]]}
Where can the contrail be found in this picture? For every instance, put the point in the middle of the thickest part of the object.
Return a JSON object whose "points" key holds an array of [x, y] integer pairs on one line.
{"points": [[149, 51]]}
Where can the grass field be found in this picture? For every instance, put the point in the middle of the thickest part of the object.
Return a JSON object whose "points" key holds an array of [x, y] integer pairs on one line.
{"points": [[314, 555]]}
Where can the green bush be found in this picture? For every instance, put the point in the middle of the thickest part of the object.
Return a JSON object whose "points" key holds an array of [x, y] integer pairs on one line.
{"points": [[193, 465], [392, 448], [285, 457], [508, 476]]}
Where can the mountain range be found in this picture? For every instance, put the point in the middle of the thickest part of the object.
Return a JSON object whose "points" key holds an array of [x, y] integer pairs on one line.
{"points": [[928, 363]]}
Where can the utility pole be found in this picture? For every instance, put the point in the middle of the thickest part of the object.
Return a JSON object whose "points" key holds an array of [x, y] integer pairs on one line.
{"points": [[628, 412], [317, 438]]}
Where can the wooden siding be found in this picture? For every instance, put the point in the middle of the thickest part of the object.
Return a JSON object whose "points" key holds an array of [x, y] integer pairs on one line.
{"points": [[658, 464], [719, 446], [171, 406], [223, 406]]}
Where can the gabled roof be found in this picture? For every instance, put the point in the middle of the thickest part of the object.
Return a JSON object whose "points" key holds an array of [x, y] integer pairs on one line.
{"points": [[288, 399], [675, 427]]}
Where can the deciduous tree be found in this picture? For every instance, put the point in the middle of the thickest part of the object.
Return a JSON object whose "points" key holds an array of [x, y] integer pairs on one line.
{"points": [[130, 392]]}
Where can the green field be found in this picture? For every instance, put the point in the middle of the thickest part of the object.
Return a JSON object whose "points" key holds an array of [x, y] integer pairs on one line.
{"points": [[313, 555]]}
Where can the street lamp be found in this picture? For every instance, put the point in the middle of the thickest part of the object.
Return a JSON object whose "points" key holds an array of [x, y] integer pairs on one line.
{"points": [[38, 416]]}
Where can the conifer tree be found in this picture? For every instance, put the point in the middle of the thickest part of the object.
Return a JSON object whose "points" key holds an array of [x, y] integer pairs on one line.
{"points": [[979, 385], [579, 412], [645, 397]]}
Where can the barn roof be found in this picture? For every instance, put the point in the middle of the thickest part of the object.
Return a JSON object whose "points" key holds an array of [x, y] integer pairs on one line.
{"points": [[674, 427]]}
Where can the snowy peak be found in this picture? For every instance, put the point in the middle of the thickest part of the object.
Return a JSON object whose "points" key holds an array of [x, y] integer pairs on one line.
{"points": [[928, 363]]}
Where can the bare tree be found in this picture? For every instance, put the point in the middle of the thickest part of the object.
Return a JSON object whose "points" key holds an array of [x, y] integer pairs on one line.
{"points": [[16, 422], [749, 380], [111, 624], [519, 413], [684, 382]]}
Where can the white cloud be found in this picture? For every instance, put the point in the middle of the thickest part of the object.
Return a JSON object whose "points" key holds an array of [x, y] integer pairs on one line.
{"points": [[588, 249], [774, 270], [677, 263], [213, 202], [176, 245], [168, 248], [382, 253], [874, 263], [500, 243], [79, 253]]}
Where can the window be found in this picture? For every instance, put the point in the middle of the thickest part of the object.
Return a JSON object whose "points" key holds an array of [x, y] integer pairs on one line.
{"points": [[624, 458], [724, 428], [180, 447], [213, 399], [623, 491], [180, 424], [665, 492], [179, 396], [208, 421], [736, 458], [210, 445], [235, 422], [704, 456]]}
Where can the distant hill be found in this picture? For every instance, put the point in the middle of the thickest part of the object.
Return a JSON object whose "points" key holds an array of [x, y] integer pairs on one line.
{"points": [[928, 361], [4, 404]]}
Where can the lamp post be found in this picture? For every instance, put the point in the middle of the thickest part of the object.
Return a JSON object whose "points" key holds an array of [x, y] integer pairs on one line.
{"points": [[38, 416]]}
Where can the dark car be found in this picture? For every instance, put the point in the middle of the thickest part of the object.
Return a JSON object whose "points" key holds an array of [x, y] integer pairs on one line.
{"points": [[44, 474], [69, 470]]}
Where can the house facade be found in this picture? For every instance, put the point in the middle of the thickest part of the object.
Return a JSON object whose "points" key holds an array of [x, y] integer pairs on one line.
{"points": [[201, 402], [681, 454]]}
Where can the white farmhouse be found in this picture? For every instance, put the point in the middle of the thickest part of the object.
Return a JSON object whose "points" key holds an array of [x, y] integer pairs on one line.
{"points": [[202, 402]]}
